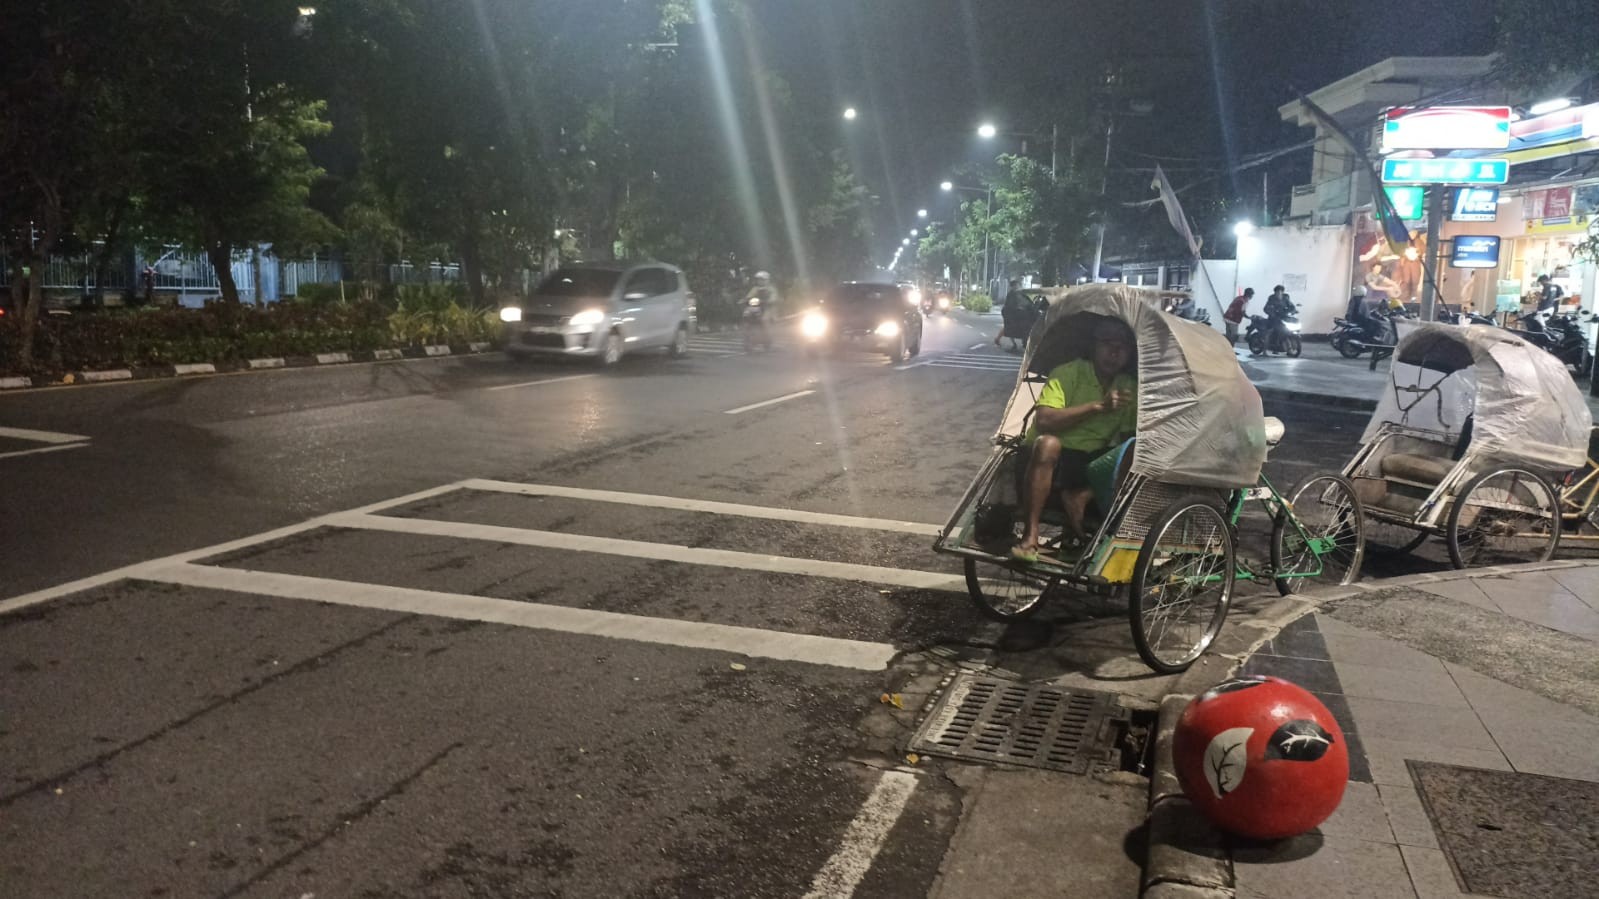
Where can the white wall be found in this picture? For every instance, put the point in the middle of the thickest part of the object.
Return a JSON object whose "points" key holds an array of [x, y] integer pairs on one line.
{"points": [[1311, 262]]}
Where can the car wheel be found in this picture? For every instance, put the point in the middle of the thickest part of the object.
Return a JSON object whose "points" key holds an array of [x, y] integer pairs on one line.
{"points": [[679, 347], [897, 354], [611, 351]]}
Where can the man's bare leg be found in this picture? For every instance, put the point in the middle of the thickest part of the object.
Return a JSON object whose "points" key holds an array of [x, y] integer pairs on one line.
{"points": [[1076, 504], [1040, 479]]}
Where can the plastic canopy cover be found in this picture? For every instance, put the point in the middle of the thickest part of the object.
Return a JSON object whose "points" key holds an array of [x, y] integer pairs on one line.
{"points": [[1527, 408], [1199, 419]]}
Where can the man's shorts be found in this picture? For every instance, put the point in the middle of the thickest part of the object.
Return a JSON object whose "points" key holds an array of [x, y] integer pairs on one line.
{"points": [[1071, 469]]}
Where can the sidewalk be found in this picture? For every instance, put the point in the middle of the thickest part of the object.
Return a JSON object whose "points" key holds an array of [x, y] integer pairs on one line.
{"points": [[1470, 706], [1324, 377]]}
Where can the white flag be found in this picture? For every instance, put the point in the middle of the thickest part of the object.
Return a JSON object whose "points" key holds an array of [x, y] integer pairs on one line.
{"points": [[1174, 210]]}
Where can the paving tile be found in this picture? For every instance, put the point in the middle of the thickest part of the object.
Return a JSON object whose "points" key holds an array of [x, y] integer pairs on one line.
{"points": [[1387, 758], [1560, 611], [1300, 639], [1430, 874], [1380, 651], [1414, 722], [1360, 815], [1537, 735], [1582, 582], [1374, 682], [1340, 867], [1407, 817], [1461, 590], [1330, 626], [1359, 766], [1315, 675]]}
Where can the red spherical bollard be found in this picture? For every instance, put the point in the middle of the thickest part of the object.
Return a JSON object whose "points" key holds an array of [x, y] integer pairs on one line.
{"points": [[1261, 757]]}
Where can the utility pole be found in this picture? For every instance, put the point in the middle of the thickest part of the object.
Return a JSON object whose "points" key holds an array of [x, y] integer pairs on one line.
{"points": [[1429, 283], [1054, 145], [1104, 184]]}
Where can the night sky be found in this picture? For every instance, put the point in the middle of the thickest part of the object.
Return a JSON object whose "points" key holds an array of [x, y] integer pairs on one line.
{"points": [[924, 73]]}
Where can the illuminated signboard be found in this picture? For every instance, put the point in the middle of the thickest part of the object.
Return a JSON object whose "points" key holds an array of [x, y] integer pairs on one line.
{"points": [[1475, 204], [1475, 251], [1409, 202], [1445, 171], [1446, 128]]}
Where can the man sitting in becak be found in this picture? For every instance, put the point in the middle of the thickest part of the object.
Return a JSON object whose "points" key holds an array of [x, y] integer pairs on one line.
{"points": [[1087, 407]]}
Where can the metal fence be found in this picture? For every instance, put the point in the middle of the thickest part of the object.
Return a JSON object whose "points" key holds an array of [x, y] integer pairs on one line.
{"points": [[192, 278]]}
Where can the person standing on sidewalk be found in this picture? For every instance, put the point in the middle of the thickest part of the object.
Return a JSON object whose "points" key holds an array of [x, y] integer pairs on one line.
{"points": [[1015, 315], [1235, 313]]}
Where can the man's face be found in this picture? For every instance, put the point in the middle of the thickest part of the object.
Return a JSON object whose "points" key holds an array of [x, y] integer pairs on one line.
{"points": [[1111, 353]]}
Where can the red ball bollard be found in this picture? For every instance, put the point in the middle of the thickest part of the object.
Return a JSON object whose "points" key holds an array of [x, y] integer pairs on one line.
{"points": [[1261, 757]]}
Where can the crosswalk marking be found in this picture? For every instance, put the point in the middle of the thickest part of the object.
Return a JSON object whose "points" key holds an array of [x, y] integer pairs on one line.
{"points": [[724, 344], [54, 441], [969, 361]]}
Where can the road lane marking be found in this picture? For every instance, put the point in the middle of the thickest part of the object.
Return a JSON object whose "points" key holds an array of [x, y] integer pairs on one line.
{"points": [[128, 571], [661, 552], [43, 449], [762, 405], [864, 838], [41, 436], [745, 641], [537, 383], [701, 505], [913, 365]]}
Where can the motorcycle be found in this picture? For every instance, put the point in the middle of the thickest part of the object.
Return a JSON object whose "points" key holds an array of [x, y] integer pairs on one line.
{"points": [[756, 333], [1352, 337], [1563, 336], [1263, 336]]}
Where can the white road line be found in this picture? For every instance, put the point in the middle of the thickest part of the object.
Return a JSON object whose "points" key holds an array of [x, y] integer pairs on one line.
{"points": [[761, 405], [127, 571], [43, 449], [864, 838], [700, 505], [537, 383], [977, 346], [672, 632], [662, 552], [913, 365], [41, 436]]}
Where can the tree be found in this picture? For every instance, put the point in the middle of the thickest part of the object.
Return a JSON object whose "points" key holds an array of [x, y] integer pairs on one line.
{"points": [[1542, 40]]}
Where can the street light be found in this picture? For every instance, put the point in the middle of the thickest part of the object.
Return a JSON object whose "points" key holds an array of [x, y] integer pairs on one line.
{"points": [[915, 232], [987, 131], [946, 186], [1549, 106], [1243, 229], [850, 113], [921, 213], [906, 242]]}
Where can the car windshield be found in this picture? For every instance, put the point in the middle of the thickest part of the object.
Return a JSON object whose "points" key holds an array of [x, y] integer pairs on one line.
{"points": [[579, 282], [865, 296]]}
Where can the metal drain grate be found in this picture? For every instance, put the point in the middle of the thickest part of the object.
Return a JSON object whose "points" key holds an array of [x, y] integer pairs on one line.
{"points": [[1032, 725]]}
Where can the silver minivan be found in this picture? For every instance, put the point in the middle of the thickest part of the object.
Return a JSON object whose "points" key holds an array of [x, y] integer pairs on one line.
{"points": [[603, 311]]}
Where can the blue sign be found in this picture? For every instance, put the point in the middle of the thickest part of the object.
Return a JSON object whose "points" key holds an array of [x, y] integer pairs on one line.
{"points": [[1475, 251], [1445, 171], [1475, 204]]}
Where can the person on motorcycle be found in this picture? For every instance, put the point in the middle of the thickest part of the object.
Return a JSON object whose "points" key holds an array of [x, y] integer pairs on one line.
{"points": [[760, 305], [1087, 407], [1278, 306]]}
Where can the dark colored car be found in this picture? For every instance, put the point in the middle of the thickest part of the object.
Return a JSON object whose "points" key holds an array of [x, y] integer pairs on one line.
{"points": [[879, 315]]}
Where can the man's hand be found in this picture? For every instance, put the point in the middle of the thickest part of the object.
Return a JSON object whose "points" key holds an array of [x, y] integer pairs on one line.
{"points": [[1114, 400]]}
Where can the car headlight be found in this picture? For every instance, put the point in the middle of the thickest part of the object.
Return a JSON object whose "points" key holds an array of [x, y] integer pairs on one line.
{"points": [[888, 329], [589, 317], [915, 296], [510, 314], [813, 325], [943, 302]]}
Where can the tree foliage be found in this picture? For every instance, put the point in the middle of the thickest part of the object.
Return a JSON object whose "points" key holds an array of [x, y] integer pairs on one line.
{"points": [[1542, 40]]}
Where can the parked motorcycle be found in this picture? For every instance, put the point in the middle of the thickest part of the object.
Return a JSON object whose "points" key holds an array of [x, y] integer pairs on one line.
{"points": [[1265, 336], [1563, 336]]}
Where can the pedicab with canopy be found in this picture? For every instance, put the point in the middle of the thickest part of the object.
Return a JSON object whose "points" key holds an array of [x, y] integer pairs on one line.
{"points": [[1470, 436], [1166, 503]]}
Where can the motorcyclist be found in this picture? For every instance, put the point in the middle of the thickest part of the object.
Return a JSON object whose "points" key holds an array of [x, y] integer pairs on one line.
{"points": [[1278, 307], [760, 304]]}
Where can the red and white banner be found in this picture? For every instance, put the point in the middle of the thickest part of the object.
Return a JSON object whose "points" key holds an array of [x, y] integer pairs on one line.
{"points": [[1446, 128], [1553, 203]]}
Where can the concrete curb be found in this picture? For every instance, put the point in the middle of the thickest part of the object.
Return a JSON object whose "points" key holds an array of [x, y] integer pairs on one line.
{"points": [[1187, 856], [212, 368], [1350, 403]]}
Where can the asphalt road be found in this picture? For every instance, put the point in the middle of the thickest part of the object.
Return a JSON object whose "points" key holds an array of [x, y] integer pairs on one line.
{"points": [[445, 628]]}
